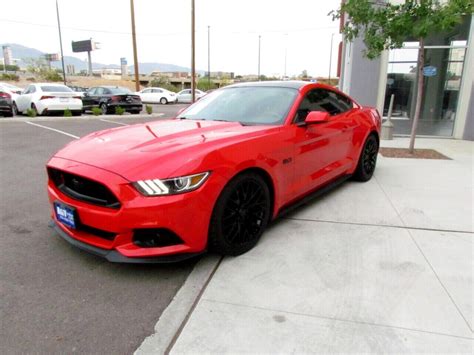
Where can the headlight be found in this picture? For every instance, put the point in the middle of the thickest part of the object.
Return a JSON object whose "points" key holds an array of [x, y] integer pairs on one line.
{"points": [[157, 187]]}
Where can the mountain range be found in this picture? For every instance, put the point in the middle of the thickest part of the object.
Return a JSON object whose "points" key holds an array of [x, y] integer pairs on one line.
{"points": [[23, 53]]}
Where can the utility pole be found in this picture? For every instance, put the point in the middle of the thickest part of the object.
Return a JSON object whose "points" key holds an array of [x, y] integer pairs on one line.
{"points": [[135, 55], [259, 37], [286, 51], [208, 57], [60, 42], [193, 68], [330, 60]]}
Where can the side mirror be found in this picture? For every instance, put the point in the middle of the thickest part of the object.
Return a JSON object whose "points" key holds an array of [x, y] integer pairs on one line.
{"points": [[317, 117]]}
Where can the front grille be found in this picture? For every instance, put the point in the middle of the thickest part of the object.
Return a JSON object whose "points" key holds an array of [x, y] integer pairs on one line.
{"points": [[83, 189]]}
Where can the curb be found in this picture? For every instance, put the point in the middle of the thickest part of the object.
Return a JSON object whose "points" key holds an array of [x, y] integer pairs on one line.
{"points": [[175, 316]]}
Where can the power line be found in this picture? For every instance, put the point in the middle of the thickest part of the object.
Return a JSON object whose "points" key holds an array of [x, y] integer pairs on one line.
{"points": [[283, 31]]}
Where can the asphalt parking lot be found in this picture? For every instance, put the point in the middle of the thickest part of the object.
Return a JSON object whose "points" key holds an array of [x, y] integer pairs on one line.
{"points": [[56, 298]]}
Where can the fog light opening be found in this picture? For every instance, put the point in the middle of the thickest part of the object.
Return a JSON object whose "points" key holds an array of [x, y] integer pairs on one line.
{"points": [[155, 238]]}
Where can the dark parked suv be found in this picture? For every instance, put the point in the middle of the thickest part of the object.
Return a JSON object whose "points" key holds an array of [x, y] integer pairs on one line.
{"points": [[107, 98], [6, 104]]}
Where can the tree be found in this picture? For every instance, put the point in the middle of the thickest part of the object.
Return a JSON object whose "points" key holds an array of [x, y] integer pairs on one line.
{"points": [[386, 26], [304, 74]]}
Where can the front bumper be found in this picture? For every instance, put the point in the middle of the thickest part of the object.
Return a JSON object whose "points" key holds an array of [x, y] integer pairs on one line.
{"points": [[186, 215], [114, 256]]}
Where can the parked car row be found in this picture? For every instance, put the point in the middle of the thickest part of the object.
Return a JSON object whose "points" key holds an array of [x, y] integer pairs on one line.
{"points": [[49, 98]]}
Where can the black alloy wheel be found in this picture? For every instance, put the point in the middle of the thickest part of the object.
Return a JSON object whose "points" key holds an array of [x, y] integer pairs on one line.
{"points": [[240, 216], [368, 159]]}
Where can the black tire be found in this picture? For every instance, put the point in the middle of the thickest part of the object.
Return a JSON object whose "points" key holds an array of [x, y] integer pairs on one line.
{"points": [[14, 109], [8, 114], [104, 108], [163, 101], [135, 112], [367, 160], [240, 215], [77, 113]]}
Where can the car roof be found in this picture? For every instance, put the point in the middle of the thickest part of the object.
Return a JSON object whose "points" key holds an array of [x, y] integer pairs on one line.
{"points": [[293, 84], [49, 84]]}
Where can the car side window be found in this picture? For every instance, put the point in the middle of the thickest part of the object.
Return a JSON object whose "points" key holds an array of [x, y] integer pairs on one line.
{"points": [[27, 91], [157, 91], [146, 91], [322, 100], [99, 91], [31, 89]]}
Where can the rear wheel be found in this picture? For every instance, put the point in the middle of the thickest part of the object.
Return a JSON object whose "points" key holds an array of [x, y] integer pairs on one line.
{"points": [[33, 107], [163, 101], [240, 216], [15, 109], [104, 109], [367, 160]]}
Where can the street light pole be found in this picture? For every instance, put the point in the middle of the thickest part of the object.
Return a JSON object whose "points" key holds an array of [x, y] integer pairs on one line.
{"points": [[208, 57], [60, 42], [259, 38], [134, 40], [193, 68], [330, 60]]}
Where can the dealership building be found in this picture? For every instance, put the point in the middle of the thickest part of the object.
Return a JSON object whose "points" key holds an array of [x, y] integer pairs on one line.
{"points": [[448, 103]]}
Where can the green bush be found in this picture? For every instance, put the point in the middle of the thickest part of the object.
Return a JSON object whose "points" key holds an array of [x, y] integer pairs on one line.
{"points": [[6, 76], [96, 111], [149, 109], [31, 113], [51, 75], [10, 67], [67, 113], [119, 110]]}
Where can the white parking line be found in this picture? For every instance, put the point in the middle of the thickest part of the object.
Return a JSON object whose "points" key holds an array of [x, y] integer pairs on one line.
{"points": [[119, 123], [53, 129]]}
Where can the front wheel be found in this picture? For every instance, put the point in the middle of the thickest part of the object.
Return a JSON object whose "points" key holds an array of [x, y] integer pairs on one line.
{"points": [[367, 160], [240, 216]]}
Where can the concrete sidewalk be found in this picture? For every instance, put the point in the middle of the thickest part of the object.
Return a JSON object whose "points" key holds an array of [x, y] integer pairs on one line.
{"points": [[385, 266]]}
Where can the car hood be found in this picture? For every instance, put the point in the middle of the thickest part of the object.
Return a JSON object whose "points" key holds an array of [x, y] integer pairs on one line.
{"points": [[156, 149]]}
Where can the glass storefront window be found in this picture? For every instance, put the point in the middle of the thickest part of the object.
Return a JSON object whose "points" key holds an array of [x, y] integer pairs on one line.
{"points": [[445, 56]]}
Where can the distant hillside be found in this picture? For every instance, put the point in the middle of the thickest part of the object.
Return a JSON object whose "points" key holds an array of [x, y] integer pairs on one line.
{"points": [[22, 52]]}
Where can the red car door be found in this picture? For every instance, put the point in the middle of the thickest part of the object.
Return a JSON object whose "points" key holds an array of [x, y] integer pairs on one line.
{"points": [[322, 150]]}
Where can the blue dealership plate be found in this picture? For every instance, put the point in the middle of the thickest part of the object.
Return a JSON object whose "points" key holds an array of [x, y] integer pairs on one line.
{"points": [[65, 214]]}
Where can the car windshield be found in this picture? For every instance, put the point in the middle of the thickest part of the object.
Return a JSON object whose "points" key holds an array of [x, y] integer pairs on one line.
{"points": [[119, 91], [249, 105], [55, 88]]}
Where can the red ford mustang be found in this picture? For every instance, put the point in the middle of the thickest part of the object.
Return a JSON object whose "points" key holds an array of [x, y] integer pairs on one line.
{"points": [[213, 177]]}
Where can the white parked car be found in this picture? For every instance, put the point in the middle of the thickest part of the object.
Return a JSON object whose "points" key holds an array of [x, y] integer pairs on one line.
{"points": [[157, 95], [47, 97], [184, 96], [14, 92]]}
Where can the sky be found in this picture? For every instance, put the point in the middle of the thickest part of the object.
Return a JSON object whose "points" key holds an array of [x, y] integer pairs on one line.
{"points": [[300, 28]]}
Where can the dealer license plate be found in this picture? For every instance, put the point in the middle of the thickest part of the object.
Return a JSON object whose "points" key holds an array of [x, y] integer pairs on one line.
{"points": [[65, 214]]}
